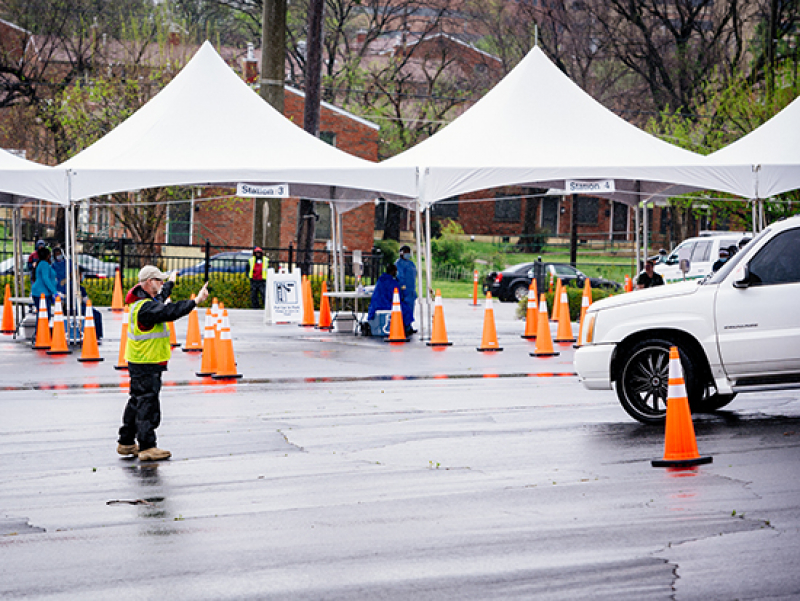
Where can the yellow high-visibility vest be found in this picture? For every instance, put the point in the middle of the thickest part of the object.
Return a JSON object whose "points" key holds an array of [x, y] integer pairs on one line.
{"points": [[146, 347]]}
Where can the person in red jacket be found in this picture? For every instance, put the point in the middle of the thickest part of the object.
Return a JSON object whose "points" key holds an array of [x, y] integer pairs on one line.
{"points": [[147, 352]]}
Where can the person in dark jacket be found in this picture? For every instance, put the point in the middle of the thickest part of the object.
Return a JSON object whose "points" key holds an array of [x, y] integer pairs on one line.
{"points": [[384, 292], [147, 353]]}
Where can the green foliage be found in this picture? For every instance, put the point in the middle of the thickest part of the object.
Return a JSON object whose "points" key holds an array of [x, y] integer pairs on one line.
{"points": [[450, 249], [389, 251]]}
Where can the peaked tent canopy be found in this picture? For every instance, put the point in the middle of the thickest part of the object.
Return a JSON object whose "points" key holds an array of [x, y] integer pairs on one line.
{"points": [[208, 127], [31, 180], [537, 127], [770, 153]]}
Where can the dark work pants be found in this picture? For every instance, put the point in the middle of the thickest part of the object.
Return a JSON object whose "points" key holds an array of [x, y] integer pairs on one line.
{"points": [[258, 289], [142, 414]]}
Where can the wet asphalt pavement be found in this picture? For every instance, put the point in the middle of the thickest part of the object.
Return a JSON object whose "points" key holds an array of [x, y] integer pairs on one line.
{"points": [[341, 467]]}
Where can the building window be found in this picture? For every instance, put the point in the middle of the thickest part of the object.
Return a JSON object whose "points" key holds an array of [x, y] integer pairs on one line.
{"points": [[328, 137], [322, 231], [588, 210], [179, 223], [508, 210], [445, 209]]}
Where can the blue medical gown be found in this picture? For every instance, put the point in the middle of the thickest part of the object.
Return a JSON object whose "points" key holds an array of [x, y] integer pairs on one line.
{"points": [[407, 276]]}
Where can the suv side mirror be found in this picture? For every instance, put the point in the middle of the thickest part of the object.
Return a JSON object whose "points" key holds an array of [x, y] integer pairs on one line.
{"points": [[744, 282]]}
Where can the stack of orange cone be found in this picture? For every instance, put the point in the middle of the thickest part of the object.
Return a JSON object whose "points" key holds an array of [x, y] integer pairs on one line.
{"points": [[532, 314], [208, 365], [194, 344], [680, 445], [564, 333], [325, 318], [544, 342], [397, 329], [308, 304], [8, 313], [116, 298], [554, 314], [123, 340], [586, 301], [489, 339], [42, 327], [439, 335], [89, 351], [58, 343], [226, 363]]}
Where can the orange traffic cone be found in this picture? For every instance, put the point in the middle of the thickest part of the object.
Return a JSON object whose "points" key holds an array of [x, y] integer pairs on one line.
{"points": [[586, 300], [628, 283], [89, 352], [554, 314], [226, 364], [173, 336], [680, 446], [123, 340], [439, 335], [397, 329], [544, 342], [532, 314], [58, 343], [8, 313], [325, 319], [194, 343], [489, 339], [42, 327], [208, 365], [308, 304], [564, 333], [475, 288], [116, 297]]}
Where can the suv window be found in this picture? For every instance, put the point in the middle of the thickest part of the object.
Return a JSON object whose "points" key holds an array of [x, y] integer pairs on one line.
{"points": [[777, 262], [674, 257], [701, 251]]}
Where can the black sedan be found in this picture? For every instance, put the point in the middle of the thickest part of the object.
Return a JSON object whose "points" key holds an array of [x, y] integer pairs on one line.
{"points": [[511, 284]]}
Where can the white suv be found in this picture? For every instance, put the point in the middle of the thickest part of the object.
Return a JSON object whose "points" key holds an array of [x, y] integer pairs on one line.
{"points": [[738, 330], [702, 252]]}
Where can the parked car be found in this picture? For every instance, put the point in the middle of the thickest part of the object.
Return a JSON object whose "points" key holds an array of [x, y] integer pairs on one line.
{"points": [[226, 262], [701, 251], [511, 284], [93, 267], [736, 331]]}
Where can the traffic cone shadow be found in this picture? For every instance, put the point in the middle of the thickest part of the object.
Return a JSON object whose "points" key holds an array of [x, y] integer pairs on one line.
{"points": [[532, 314], [489, 339], [680, 445], [226, 363], [544, 342], [325, 319], [42, 327], [439, 334], [58, 342], [89, 351], [116, 297], [208, 364], [8, 326], [564, 332], [397, 329], [194, 343], [122, 364]]}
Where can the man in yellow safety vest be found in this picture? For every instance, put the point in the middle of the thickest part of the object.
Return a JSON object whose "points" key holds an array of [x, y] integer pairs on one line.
{"points": [[147, 353]]}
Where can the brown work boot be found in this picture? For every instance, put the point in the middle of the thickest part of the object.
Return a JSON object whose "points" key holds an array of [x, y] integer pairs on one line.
{"points": [[128, 449], [154, 454]]}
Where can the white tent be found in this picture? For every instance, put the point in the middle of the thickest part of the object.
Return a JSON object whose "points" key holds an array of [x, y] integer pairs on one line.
{"points": [[31, 180], [537, 127], [770, 154], [208, 126]]}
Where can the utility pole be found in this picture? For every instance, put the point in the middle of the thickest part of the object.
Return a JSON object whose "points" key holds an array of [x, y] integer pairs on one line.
{"points": [[306, 223], [267, 214]]}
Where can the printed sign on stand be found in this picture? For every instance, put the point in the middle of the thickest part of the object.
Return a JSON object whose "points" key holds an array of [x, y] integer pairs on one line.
{"points": [[284, 302]]}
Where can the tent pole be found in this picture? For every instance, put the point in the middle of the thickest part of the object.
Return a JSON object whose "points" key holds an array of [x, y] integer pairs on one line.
{"points": [[340, 228], [335, 249], [418, 235], [428, 267], [636, 238]]}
